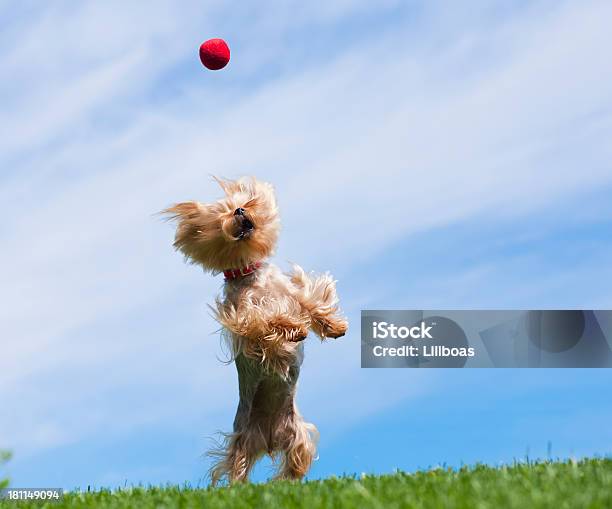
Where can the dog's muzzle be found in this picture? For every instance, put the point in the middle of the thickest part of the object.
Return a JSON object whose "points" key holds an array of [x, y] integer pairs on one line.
{"points": [[244, 225]]}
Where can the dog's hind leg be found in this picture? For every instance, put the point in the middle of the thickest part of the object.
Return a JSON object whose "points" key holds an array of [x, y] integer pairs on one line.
{"points": [[298, 447], [236, 459]]}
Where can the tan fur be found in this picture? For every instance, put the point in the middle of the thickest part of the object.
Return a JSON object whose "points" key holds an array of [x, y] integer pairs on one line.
{"points": [[265, 316]]}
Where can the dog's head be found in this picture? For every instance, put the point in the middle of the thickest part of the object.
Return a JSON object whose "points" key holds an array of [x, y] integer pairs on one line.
{"points": [[235, 231]]}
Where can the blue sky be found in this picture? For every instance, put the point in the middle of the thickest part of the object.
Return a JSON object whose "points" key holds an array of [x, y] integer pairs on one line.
{"points": [[429, 154]]}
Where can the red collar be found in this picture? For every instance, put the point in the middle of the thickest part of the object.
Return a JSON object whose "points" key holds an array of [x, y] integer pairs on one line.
{"points": [[244, 271]]}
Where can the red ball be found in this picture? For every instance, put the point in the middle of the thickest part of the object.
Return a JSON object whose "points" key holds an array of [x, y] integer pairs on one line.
{"points": [[214, 54]]}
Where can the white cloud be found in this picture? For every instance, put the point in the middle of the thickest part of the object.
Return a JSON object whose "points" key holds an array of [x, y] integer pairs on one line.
{"points": [[391, 136]]}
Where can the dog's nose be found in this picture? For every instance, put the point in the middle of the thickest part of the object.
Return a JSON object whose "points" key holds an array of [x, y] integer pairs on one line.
{"points": [[239, 211]]}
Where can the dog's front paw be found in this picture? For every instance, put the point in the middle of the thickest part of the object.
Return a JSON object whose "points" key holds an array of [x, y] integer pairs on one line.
{"points": [[298, 337], [290, 332], [297, 334], [336, 329]]}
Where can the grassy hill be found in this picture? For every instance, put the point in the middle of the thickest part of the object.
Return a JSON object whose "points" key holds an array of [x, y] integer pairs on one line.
{"points": [[559, 485]]}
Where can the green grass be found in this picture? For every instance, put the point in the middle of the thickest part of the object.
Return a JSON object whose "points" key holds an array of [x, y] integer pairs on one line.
{"points": [[5, 456], [560, 485]]}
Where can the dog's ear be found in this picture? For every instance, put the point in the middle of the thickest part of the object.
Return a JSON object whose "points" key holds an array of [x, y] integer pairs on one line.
{"points": [[183, 211], [229, 186], [188, 216]]}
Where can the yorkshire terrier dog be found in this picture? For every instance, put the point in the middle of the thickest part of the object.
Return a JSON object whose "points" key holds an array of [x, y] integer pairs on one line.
{"points": [[265, 315]]}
